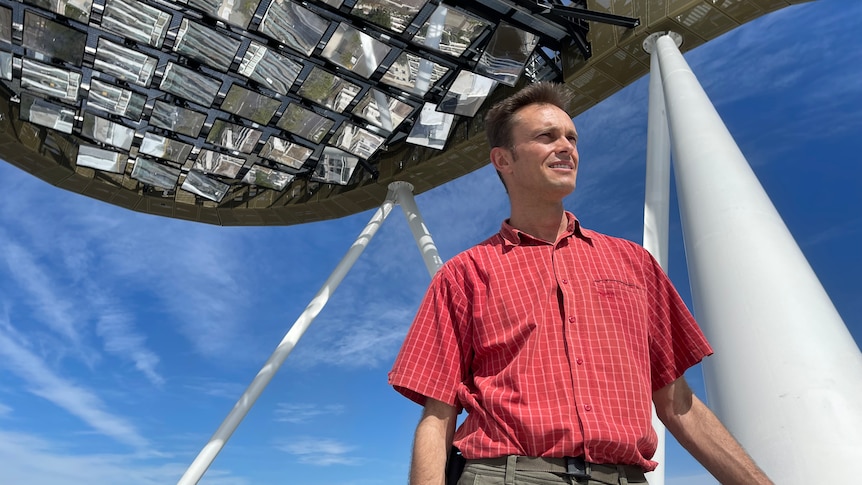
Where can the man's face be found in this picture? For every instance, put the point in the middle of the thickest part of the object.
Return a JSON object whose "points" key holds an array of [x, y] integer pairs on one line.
{"points": [[543, 159]]}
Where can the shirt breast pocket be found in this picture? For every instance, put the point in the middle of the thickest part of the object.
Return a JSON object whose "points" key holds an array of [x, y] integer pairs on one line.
{"points": [[622, 310]]}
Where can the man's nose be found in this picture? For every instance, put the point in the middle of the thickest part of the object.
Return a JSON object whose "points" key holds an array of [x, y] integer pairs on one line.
{"points": [[565, 144]]}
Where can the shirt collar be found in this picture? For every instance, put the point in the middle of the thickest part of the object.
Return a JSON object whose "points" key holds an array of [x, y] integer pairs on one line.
{"points": [[516, 237]]}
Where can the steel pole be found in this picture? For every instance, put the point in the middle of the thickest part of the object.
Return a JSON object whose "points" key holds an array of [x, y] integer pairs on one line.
{"points": [[657, 209], [786, 377], [657, 192], [206, 456], [404, 197]]}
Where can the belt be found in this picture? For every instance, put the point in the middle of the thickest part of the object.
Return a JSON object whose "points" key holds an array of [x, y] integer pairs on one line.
{"points": [[574, 466]]}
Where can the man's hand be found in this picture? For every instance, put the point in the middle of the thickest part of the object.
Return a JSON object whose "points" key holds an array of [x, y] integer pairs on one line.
{"points": [[700, 432], [432, 442]]}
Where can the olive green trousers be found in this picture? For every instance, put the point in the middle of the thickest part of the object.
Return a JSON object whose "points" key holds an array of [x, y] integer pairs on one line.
{"points": [[516, 470]]}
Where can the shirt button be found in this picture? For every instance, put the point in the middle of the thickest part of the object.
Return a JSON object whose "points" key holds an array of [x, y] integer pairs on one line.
{"points": [[565, 281], [571, 319], [588, 407], [580, 361]]}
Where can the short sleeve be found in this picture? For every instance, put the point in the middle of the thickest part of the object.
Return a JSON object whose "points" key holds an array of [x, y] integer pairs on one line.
{"points": [[431, 362], [676, 340]]}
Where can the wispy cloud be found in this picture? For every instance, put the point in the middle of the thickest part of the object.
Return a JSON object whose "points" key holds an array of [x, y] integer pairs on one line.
{"points": [[116, 328], [200, 283], [5, 411], [212, 388], [779, 77], [32, 460], [47, 301], [303, 413], [356, 332], [76, 400], [319, 451], [850, 228], [54, 295]]}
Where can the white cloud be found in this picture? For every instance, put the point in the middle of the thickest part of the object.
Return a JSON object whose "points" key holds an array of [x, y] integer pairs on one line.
{"points": [[5, 411], [319, 451], [199, 281], [115, 327], [827, 77], [78, 401], [31, 460], [302, 413], [358, 330], [198, 278], [848, 229], [212, 388], [58, 305], [55, 311]]}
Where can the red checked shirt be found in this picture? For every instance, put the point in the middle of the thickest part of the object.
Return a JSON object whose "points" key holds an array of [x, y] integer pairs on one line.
{"points": [[552, 349]]}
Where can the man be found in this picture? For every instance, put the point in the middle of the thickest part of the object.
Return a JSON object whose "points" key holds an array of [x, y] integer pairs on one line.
{"points": [[554, 338]]}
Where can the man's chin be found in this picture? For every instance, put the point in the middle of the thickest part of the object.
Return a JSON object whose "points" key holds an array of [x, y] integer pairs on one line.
{"points": [[565, 190]]}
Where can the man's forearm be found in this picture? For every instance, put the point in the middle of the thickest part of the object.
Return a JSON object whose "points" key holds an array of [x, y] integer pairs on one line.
{"points": [[700, 432], [431, 444], [719, 452]]}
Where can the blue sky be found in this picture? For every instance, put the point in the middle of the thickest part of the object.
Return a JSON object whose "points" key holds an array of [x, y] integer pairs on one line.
{"points": [[126, 338]]}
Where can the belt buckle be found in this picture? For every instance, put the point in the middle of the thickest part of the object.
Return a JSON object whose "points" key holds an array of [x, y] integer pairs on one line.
{"points": [[577, 467]]}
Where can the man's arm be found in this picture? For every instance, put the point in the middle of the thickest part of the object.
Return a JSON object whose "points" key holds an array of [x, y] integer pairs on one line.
{"points": [[432, 442], [700, 432]]}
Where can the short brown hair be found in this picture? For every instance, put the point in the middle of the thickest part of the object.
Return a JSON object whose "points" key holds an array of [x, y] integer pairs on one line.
{"points": [[499, 120]]}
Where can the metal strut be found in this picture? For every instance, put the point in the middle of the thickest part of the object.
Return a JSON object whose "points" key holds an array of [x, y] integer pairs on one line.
{"points": [[575, 20]]}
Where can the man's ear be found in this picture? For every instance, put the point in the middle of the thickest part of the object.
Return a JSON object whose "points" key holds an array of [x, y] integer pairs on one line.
{"points": [[501, 158]]}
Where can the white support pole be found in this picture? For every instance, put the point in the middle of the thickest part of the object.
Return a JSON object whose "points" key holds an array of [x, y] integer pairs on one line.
{"points": [[657, 209], [404, 197], [206, 456], [786, 378], [657, 193]]}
